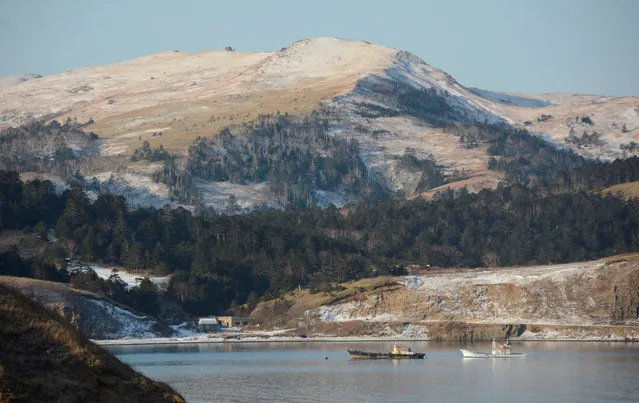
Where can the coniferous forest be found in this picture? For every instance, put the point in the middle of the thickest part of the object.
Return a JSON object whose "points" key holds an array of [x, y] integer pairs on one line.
{"points": [[218, 261]]}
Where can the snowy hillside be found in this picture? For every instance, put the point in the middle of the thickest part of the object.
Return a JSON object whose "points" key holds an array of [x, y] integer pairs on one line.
{"points": [[116, 323], [173, 98], [97, 317], [131, 279], [510, 99]]}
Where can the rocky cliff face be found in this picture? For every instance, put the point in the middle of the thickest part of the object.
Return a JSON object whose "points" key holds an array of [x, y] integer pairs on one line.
{"points": [[590, 293], [589, 300], [625, 298]]}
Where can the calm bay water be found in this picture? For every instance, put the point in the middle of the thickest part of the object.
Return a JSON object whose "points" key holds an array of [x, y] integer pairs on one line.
{"points": [[298, 372]]}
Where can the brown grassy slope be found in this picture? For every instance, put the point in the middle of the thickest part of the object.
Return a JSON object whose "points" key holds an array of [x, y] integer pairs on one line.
{"points": [[45, 359], [630, 189], [292, 306]]}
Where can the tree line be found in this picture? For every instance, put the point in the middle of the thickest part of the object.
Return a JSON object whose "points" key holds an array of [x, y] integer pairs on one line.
{"points": [[53, 147], [219, 261]]}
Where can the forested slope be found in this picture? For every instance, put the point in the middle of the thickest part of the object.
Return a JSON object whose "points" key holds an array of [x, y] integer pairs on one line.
{"points": [[220, 261]]}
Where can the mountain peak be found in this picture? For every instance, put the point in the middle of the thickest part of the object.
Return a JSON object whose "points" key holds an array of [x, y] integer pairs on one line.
{"points": [[185, 96], [329, 40], [326, 57]]}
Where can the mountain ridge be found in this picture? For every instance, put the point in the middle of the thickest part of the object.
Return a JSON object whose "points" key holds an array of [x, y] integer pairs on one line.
{"points": [[174, 98]]}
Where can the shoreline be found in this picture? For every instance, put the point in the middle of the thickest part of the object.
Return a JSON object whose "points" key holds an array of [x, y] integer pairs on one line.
{"points": [[329, 339]]}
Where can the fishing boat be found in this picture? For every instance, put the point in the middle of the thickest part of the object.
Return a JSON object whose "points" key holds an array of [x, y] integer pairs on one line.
{"points": [[397, 353], [504, 351]]}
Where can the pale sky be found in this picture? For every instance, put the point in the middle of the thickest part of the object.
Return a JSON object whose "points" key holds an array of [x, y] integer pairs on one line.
{"points": [[530, 46]]}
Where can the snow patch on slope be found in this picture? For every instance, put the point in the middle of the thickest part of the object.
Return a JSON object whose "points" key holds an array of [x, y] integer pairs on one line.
{"points": [[138, 190], [129, 278], [509, 99], [320, 58], [410, 69], [250, 196], [519, 276], [59, 184], [324, 198], [118, 323], [347, 311]]}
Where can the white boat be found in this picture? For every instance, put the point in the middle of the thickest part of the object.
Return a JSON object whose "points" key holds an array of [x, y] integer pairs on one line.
{"points": [[504, 351]]}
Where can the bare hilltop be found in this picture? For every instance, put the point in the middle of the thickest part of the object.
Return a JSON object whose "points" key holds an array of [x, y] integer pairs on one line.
{"points": [[172, 99]]}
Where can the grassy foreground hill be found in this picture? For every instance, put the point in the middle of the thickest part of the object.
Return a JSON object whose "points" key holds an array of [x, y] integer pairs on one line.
{"points": [[45, 359], [95, 316]]}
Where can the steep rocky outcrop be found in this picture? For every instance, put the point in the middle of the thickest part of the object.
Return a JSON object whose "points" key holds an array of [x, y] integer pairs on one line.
{"points": [[625, 298], [45, 359], [589, 293], [597, 299]]}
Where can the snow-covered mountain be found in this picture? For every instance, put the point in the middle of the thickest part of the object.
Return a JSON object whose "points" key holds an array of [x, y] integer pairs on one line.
{"points": [[172, 98]]}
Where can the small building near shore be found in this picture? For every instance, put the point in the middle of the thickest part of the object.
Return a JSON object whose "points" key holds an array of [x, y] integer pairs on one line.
{"points": [[233, 321], [208, 325]]}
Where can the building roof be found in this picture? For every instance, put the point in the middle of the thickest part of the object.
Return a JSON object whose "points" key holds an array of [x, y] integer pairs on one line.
{"points": [[207, 321]]}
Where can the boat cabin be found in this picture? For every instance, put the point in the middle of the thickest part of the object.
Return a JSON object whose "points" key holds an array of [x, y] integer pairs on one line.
{"points": [[399, 350]]}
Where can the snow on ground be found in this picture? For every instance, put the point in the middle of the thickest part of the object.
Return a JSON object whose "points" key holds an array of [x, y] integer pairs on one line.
{"points": [[181, 331], [274, 332], [59, 185], [253, 195], [190, 95], [347, 311], [389, 137], [444, 290], [135, 84], [541, 295], [214, 338], [325, 198], [131, 279], [410, 69], [321, 58], [141, 132], [516, 275], [129, 324], [138, 190], [509, 99], [579, 334], [409, 333]]}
